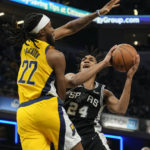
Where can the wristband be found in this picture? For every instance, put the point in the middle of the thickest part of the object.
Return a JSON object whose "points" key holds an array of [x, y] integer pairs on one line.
{"points": [[98, 12]]}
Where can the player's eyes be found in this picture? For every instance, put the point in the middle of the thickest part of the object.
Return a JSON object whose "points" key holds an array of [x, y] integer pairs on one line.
{"points": [[92, 60]]}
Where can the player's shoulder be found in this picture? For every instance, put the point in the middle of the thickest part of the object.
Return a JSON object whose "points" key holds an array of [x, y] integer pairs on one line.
{"points": [[54, 54], [54, 51], [54, 57]]}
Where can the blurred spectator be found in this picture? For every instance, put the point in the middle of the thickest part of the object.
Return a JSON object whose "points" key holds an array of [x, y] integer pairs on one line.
{"points": [[145, 148]]}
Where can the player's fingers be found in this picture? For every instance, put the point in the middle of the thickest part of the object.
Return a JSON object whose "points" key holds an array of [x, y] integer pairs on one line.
{"points": [[112, 2], [136, 62], [117, 5], [116, 1], [113, 48], [137, 59]]}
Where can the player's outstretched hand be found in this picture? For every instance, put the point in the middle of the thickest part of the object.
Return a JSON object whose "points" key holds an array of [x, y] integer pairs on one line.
{"points": [[110, 5], [134, 68]]}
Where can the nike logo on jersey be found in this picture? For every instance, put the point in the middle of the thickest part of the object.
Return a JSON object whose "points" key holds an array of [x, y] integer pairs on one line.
{"points": [[96, 92]]}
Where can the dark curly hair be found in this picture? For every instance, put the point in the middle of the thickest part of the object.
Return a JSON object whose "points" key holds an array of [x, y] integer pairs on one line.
{"points": [[19, 35]]}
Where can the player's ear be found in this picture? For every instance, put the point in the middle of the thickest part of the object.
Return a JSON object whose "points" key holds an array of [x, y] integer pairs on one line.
{"points": [[42, 32]]}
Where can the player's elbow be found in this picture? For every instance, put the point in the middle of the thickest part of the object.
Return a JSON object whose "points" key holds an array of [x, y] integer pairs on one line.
{"points": [[121, 112], [73, 82], [70, 83], [122, 109], [118, 110]]}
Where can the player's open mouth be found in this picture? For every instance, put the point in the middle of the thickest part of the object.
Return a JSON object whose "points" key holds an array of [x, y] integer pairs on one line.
{"points": [[86, 66]]}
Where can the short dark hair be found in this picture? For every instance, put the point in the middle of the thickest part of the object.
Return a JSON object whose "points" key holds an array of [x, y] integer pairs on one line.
{"points": [[95, 52]]}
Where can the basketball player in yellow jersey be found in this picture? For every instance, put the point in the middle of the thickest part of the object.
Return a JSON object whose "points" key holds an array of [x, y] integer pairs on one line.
{"points": [[42, 121]]}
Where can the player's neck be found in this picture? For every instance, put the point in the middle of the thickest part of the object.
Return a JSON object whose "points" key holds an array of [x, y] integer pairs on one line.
{"points": [[90, 84], [43, 38]]}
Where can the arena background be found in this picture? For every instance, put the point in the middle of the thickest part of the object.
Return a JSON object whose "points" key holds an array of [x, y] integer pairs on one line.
{"points": [[129, 132]]}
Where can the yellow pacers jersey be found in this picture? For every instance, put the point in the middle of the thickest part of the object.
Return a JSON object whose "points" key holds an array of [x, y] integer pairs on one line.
{"points": [[35, 77]]}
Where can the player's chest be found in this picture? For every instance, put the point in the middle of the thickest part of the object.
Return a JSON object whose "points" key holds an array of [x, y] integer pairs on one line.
{"points": [[85, 98]]}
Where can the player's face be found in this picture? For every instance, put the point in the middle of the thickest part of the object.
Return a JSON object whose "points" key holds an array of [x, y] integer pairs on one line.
{"points": [[87, 62], [49, 32]]}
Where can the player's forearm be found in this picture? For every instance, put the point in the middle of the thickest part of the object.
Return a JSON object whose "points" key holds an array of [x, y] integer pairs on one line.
{"points": [[83, 76], [61, 89], [78, 24], [125, 96]]}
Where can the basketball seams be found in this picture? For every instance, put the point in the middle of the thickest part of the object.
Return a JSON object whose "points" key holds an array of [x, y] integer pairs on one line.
{"points": [[129, 52], [123, 59], [114, 57], [123, 55], [117, 56], [117, 62]]}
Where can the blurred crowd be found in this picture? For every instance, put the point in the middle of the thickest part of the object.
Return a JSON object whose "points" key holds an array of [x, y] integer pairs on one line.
{"points": [[139, 104]]}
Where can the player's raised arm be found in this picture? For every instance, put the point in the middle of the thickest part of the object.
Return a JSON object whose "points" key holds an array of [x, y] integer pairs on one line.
{"points": [[120, 105], [73, 80], [77, 24]]}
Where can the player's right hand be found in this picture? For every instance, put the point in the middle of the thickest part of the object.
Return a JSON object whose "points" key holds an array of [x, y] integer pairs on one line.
{"points": [[108, 57]]}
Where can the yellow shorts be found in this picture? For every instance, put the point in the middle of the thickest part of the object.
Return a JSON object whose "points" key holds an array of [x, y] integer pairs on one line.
{"points": [[44, 125]]}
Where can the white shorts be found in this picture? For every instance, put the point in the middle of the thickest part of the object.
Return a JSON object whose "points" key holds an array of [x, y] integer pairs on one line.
{"points": [[72, 138]]}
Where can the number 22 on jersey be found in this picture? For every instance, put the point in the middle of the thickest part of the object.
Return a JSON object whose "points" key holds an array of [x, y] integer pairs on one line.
{"points": [[73, 107], [29, 68]]}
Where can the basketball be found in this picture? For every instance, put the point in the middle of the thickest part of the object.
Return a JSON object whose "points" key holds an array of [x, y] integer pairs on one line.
{"points": [[123, 57]]}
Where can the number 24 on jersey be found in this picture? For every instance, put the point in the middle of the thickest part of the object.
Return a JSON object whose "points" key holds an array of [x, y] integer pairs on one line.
{"points": [[72, 110]]}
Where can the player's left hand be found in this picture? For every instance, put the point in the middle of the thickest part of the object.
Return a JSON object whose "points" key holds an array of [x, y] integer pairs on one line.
{"points": [[134, 68], [110, 5]]}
